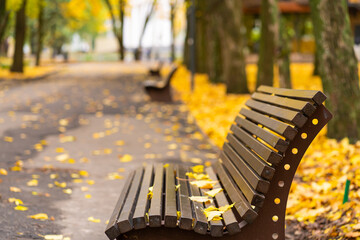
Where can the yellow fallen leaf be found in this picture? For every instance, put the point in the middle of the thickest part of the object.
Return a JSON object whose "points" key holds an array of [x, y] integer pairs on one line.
{"points": [[16, 169], [8, 139], [107, 151], [126, 158], [59, 150], [90, 182], [54, 237], [60, 185], [119, 143], [166, 165], [177, 187], [204, 184], [213, 192], [213, 215], [16, 201], [67, 191], [63, 122], [178, 215], [15, 189], [83, 173], [54, 175], [198, 168], [92, 219], [65, 139], [3, 172], [201, 199], [62, 157], [84, 189], [115, 175], [77, 180], [71, 161], [20, 208], [32, 183], [75, 175], [197, 176], [150, 193], [121, 169], [39, 216], [226, 207], [88, 196]]}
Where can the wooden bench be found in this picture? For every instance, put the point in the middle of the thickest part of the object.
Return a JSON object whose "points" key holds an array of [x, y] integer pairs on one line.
{"points": [[155, 72], [256, 167], [160, 90]]}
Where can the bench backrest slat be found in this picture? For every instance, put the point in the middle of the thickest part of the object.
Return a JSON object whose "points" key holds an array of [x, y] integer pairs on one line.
{"points": [[309, 95], [256, 182], [254, 198], [273, 140], [279, 127], [306, 107], [261, 167], [242, 206], [293, 117]]}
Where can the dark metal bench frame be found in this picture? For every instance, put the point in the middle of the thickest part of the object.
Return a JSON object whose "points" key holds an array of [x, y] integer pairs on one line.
{"points": [[270, 220], [160, 91]]}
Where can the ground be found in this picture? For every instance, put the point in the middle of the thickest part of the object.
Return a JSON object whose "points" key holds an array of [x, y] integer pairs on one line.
{"points": [[70, 139]]}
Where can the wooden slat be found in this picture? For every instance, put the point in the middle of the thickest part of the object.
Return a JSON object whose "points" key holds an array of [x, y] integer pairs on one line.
{"points": [[311, 95], [242, 206], [125, 222], [253, 197], [252, 178], [200, 223], [263, 151], [279, 127], [273, 140], [231, 223], [258, 165], [185, 221], [139, 218], [293, 117], [307, 108], [216, 227], [112, 230], [155, 212], [170, 198]]}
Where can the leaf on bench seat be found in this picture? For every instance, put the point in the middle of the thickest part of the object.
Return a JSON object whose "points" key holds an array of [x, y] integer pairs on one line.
{"points": [[197, 176], [213, 192], [198, 168], [201, 199], [204, 184], [150, 194], [214, 213]]}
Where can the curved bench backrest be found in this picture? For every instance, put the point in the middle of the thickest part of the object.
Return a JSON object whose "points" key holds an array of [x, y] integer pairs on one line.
{"points": [[261, 143]]}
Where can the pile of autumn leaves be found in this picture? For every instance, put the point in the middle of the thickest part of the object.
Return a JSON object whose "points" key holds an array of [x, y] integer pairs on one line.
{"points": [[318, 188]]}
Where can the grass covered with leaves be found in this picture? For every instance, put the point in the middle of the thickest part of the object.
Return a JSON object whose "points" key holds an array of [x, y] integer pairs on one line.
{"points": [[315, 208]]}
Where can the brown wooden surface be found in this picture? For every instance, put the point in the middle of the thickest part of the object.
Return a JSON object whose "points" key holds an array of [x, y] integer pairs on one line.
{"points": [[312, 95], [142, 205], [277, 126], [170, 198], [186, 216], [258, 165], [112, 230], [125, 222], [155, 212]]}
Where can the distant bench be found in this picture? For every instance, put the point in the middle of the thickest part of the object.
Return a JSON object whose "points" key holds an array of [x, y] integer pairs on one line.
{"points": [[256, 167], [160, 90]]}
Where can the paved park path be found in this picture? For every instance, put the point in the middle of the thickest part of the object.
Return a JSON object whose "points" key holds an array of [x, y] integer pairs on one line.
{"points": [[73, 136]]}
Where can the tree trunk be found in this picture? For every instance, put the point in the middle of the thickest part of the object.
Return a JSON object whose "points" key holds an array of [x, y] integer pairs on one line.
{"points": [[284, 55], [121, 31], [233, 46], [4, 19], [172, 21], [338, 67], [40, 33], [20, 29], [269, 34], [148, 16]]}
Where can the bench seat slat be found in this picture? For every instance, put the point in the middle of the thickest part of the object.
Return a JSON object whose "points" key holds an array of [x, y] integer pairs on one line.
{"points": [[200, 223], [112, 228], [254, 198], [155, 211], [293, 117], [258, 165], [139, 217], [242, 206], [230, 220], [263, 151], [307, 108], [273, 140], [216, 227], [254, 180], [170, 198], [277, 126], [312, 95], [125, 222], [185, 221]]}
